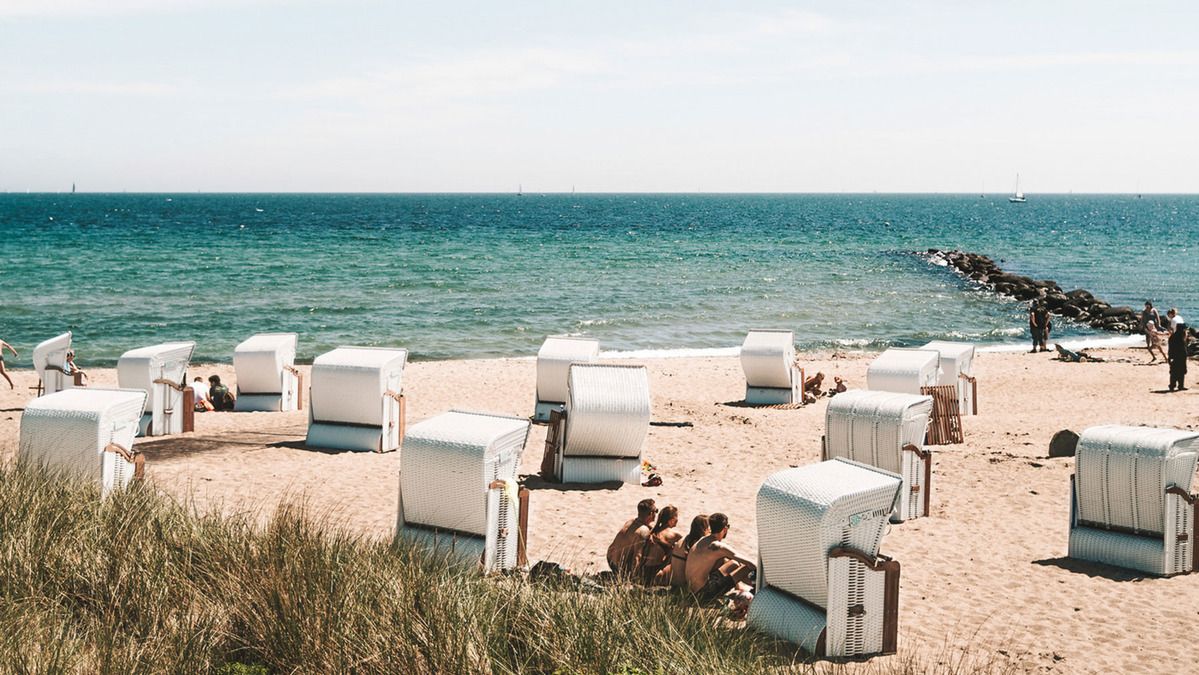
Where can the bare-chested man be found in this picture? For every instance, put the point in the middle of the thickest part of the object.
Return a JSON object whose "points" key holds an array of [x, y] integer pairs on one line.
{"points": [[624, 554], [713, 567]]}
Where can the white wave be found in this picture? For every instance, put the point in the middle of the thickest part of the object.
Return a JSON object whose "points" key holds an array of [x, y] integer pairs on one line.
{"points": [[672, 353], [1074, 344]]}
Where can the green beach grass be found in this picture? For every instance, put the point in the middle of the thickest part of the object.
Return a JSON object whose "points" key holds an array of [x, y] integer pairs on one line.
{"points": [[141, 583]]}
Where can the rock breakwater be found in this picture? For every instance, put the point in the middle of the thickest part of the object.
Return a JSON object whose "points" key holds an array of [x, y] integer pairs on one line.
{"points": [[1078, 305]]}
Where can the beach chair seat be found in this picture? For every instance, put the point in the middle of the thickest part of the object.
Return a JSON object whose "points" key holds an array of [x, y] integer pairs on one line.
{"points": [[957, 368], [904, 371], [267, 378], [604, 426], [458, 488], [85, 433], [557, 354], [885, 430], [160, 371], [49, 360], [1131, 503], [822, 583], [768, 361], [356, 399]]}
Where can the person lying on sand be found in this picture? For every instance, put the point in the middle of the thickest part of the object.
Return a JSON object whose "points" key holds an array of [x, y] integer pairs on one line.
{"points": [[624, 553], [714, 570], [1079, 356]]}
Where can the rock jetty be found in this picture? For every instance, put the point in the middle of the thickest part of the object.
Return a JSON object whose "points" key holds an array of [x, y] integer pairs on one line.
{"points": [[1077, 305]]}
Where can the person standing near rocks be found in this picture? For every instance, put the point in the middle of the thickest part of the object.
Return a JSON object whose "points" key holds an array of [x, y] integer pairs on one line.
{"points": [[1040, 325], [1176, 349]]}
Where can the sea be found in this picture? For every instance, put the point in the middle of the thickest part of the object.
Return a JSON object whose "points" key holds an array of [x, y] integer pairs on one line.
{"points": [[454, 276]]}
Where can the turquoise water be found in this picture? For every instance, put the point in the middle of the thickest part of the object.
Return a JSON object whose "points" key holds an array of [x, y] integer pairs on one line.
{"points": [[452, 276]]}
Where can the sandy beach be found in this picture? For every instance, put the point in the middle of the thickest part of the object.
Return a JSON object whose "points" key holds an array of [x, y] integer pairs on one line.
{"points": [[986, 574]]}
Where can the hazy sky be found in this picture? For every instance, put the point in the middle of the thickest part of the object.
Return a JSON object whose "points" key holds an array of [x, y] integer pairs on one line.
{"points": [[186, 95]]}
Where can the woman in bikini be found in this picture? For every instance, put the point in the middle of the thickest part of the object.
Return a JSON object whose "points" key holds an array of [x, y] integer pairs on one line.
{"points": [[655, 558], [678, 555]]}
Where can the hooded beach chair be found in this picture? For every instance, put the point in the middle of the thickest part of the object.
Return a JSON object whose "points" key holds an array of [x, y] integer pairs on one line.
{"points": [[1131, 501], [904, 371], [554, 360], [604, 426], [267, 379], [768, 359], [161, 372], [821, 581], [86, 433], [458, 487], [49, 359], [957, 368], [356, 399], [885, 430]]}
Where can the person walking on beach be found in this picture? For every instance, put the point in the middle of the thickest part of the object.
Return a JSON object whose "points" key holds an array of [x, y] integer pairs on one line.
{"points": [[1176, 349], [624, 553], [1040, 325], [4, 345]]}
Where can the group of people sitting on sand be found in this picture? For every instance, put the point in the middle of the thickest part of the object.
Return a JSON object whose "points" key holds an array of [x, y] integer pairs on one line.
{"points": [[649, 550], [813, 387], [214, 397]]}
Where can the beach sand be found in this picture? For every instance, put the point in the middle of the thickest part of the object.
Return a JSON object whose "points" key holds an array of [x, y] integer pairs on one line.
{"points": [[985, 575]]}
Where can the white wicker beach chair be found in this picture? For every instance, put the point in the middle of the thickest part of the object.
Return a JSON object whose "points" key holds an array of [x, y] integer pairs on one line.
{"points": [[49, 358], [356, 399], [768, 359], [458, 487], [885, 430], [1132, 505], [607, 419], [904, 370], [957, 368], [821, 581], [161, 372], [267, 379], [554, 360], [85, 433]]}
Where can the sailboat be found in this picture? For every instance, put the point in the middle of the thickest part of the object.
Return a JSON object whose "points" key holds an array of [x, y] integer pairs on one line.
{"points": [[1018, 196]]}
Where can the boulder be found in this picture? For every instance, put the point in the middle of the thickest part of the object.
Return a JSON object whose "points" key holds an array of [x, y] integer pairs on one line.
{"points": [[1079, 293], [1063, 444], [1118, 311]]}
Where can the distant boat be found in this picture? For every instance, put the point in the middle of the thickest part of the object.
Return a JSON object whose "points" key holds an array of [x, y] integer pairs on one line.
{"points": [[1017, 196]]}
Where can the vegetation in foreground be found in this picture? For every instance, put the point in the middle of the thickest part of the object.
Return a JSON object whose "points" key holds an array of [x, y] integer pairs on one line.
{"points": [[139, 583]]}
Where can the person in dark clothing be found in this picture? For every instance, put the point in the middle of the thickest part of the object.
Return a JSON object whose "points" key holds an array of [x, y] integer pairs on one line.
{"points": [[222, 399], [1039, 324], [1176, 350]]}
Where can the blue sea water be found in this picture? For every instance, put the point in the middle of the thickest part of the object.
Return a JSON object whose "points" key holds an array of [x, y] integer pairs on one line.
{"points": [[462, 276]]}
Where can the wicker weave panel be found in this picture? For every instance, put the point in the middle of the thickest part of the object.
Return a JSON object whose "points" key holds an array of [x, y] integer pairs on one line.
{"points": [[348, 383], [259, 362], [1143, 553], [767, 357], [138, 368], [554, 360], [607, 411], [1122, 473], [448, 463], [903, 370], [786, 618], [805, 512], [852, 584], [601, 470], [67, 431], [53, 352], [957, 359]]}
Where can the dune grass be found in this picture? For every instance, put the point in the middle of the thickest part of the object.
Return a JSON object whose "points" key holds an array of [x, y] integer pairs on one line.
{"points": [[139, 583]]}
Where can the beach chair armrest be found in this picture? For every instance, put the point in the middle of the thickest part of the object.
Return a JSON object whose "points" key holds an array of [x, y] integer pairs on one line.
{"points": [[173, 385]]}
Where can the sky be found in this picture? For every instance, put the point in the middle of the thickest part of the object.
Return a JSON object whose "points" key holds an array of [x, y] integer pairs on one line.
{"points": [[358, 96]]}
